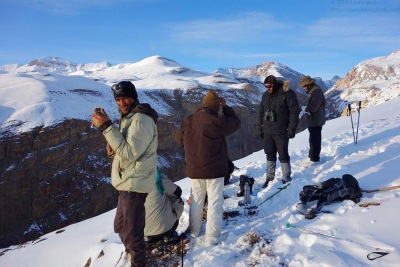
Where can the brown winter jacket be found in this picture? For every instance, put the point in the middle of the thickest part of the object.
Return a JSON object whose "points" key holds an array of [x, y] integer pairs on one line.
{"points": [[202, 136]]}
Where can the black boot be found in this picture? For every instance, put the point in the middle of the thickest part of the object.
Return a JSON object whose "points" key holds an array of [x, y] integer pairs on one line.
{"points": [[243, 180], [265, 185]]}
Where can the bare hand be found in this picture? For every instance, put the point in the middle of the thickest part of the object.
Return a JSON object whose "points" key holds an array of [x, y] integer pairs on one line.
{"points": [[109, 149]]}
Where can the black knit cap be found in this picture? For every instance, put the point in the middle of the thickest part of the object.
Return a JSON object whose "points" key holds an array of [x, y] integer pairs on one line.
{"points": [[124, 89], [270, 79]]}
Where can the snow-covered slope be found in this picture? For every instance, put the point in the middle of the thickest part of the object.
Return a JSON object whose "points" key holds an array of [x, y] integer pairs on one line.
{"points": [[259, 236]]}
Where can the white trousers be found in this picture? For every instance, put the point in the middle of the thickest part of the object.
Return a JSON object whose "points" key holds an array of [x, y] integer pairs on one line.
{"points": [[214, 189]]}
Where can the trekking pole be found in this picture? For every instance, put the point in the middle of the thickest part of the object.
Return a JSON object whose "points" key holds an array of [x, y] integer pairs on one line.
{"points": [[182, 249], [381, 189], [358, 120], [379, 254], [279, 190], [351, 118]]}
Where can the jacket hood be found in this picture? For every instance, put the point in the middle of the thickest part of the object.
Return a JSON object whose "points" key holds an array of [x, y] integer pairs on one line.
{"points": [[146, 109], [286, 86]]}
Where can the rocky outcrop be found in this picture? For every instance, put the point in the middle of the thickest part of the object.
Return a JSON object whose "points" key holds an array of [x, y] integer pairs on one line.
{"points": [[52, 177], [372, 82]]}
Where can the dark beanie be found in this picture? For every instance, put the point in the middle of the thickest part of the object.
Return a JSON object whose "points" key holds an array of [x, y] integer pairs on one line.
{"points": [[124, 89], [270, 79], [211, 100]]}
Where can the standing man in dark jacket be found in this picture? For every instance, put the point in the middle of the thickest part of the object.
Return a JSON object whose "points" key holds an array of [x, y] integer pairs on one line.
{"points": [[315, 117], [202, 136], [277, 122]]}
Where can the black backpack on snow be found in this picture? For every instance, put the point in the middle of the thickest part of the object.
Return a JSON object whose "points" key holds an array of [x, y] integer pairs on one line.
{"points": [[315, 196]]}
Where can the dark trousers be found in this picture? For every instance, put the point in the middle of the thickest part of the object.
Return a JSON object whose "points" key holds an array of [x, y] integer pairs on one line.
{"points": [[315, 142], [276, 143], [129, 225]]}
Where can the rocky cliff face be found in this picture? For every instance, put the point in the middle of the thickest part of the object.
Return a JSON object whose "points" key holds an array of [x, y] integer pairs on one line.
{"points": [[55, 176], [51, 177]]}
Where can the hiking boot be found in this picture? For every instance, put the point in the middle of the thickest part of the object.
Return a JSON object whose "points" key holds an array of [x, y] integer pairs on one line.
{"points": [[286, 181], [309, 163], [171, 238], [211, 241], [150, 239], [265, 185]]}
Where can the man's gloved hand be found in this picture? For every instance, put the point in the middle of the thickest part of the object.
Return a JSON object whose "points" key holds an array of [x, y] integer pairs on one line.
{"points": [[178, 191], [291, 135], [100, 119]]}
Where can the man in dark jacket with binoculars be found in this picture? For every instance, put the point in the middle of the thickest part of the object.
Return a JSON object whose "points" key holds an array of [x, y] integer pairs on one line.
{"points": [[278, 118]]}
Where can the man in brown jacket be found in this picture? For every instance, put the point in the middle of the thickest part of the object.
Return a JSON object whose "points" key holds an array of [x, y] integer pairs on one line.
{"points": [[202, 136]]}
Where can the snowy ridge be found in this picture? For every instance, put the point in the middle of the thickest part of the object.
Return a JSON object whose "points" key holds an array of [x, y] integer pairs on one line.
{"points": [[373, 81], [54, 65], [260, 236], [277, 69], [49, 85]]}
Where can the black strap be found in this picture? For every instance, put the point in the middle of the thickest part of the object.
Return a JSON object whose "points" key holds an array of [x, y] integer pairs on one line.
{"points": [[376, 255], [348, 110]]}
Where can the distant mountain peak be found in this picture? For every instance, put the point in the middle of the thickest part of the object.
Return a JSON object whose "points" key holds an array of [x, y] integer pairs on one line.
{"points": [[50, 61], [160, 61]]}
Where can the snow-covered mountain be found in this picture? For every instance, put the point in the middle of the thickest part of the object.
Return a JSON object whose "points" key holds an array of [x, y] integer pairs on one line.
{"points": [[330, 83], [259, 72], [54, 65], [269, 231], [372, 81], [53, 80]]}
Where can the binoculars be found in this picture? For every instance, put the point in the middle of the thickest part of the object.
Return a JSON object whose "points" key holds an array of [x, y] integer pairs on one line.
{"points": [[270, 115]]}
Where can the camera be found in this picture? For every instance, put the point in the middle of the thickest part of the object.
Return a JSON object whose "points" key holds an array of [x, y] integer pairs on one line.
{"points": [[270, 115]]}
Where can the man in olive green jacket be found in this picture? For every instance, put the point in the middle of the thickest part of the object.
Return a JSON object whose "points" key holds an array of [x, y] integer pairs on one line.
{"points": [[133, 147]]}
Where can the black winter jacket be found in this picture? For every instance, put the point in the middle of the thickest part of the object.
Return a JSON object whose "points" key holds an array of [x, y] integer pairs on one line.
{"points": [[286, 107]]}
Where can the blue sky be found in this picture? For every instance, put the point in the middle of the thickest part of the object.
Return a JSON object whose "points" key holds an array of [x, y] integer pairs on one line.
{"points": [[317, 38]]}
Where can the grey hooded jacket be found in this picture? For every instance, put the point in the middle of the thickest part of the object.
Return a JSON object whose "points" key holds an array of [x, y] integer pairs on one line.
{"points": [[315, 107], [162, 209]]}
